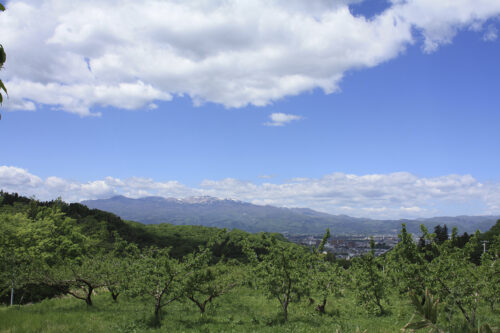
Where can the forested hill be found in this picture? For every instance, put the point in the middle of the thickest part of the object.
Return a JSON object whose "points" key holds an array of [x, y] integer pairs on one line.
{"points": [[103, 229], [213, 212]]}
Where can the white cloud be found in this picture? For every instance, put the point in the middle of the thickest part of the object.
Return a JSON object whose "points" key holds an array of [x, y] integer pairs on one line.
{"points": [[490, 34], [281, 119], [77, 55], [395, 195], [439, 21]]}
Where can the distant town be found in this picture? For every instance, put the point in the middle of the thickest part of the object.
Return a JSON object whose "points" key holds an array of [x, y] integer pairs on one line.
{"points": [[346, 247]]}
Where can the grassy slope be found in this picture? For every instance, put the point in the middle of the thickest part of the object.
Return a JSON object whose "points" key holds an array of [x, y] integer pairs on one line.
{"points": [[244, 310]]}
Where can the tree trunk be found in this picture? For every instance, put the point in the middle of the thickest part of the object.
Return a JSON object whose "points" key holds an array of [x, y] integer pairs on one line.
{"points": [[321, 307], [382, 311], [200, 305], [88, 299], [12, 295], [157, 314], [285, 310], [115, 296], [12, 290]]}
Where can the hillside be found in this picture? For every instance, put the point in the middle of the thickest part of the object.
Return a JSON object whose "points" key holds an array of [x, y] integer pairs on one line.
{"points": [[231, 214], [105, 228]]}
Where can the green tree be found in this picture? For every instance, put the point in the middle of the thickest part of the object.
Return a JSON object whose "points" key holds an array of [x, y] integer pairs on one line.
{"points": [[53, 236], [406, 265], [369, 282], [327, 279], [80, 277], [326, 276], [214, 276], [14, 264], [162, 277], [117, 268], [456, 281], [490, 272], [29, 246], [209, 282], [441, 234], [284, 273]]}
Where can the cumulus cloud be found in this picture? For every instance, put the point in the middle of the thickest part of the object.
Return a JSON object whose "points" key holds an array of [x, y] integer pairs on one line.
{"points": [[281, 119], [395, 195], [77, 55]]}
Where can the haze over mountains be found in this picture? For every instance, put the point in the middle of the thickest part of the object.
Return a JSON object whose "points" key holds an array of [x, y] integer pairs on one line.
{"points": [[209, 211]]}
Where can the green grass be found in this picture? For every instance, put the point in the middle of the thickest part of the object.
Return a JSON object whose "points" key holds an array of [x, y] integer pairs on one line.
{"points": [[244, 310]]}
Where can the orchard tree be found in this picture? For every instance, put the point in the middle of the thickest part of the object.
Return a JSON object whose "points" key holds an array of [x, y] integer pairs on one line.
{"points": [[369, 282], [80, 277], [213, 277], [14, 264], [162, 277], [115, 273], [326, 277], [284, 273], [30, 246], [52, 236], [211, 281], [490, 272], [118, 266], [456, 281], [407, 266]]}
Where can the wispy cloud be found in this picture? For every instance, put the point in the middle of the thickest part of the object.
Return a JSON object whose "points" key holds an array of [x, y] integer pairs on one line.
{"points": [[80, 54], [394, 195], [281, 119], [490, 34]]}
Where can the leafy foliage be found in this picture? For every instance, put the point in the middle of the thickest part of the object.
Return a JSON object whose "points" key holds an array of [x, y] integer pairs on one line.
{"points": [[428, 312], [369, 281], [49, 248], [283, 274], [163, 277]]}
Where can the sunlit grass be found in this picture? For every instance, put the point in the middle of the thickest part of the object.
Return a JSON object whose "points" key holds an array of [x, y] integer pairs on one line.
{"points": [[244, 310]]}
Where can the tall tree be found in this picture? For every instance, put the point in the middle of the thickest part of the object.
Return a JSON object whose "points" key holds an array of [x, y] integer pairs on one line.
{"points": [[441, 234]]}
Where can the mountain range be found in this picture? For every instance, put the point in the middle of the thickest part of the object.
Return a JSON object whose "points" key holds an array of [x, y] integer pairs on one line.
{"points": [[232, 214]]}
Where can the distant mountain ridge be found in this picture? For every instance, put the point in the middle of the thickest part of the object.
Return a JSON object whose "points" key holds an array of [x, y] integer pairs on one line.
{"points": [[231, 214]]}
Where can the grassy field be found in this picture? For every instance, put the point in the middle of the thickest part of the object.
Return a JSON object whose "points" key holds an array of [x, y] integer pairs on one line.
{"points": [[244, 310]]}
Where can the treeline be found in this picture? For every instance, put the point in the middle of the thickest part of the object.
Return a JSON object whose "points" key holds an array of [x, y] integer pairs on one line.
{"points": [[36, 235], [53, 247]]}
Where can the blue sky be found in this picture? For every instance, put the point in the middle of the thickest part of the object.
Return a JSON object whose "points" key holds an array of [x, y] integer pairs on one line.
{"points": [[421, 117]]}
